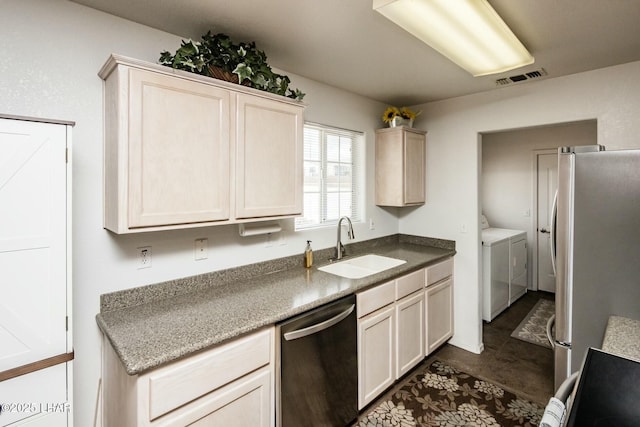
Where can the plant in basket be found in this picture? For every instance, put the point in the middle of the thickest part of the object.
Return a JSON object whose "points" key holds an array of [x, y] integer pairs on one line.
{"points": [[219, 57]]}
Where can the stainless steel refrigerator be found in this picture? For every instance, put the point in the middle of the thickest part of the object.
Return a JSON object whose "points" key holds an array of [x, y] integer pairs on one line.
{"points": [[596, 238]]}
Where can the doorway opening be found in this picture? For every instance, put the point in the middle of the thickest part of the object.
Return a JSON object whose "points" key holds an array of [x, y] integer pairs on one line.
{"points": [[517, 184]]}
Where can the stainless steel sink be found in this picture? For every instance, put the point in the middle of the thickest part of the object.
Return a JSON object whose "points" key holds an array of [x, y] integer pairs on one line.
{"points": [[362, 266]]}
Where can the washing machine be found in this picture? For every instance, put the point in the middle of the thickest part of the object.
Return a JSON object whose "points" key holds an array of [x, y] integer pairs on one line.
{"points": [[504, 266]]}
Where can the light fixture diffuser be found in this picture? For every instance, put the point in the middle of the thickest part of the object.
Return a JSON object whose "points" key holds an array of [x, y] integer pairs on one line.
{"points": [[468, 32]]}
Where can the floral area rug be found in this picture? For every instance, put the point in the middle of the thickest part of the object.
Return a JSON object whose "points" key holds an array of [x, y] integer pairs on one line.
{"points": [[443, 396], [533, 327]]}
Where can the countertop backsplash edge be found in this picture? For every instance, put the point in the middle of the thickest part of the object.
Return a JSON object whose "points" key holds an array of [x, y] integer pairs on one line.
{"points": [[144, 294]]}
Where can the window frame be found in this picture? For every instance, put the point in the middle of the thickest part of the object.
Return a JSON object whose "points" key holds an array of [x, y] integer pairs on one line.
{"points": [[357, 165]]}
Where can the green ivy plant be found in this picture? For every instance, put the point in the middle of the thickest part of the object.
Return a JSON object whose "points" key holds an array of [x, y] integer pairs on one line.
{"points": [[242, 59]]}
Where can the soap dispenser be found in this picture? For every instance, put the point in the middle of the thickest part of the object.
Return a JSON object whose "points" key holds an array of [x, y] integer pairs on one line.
{"points": [[308, 255]]}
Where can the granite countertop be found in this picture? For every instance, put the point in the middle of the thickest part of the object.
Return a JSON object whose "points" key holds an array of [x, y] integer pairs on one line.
{"points": [[157, 324], [622, 337]]}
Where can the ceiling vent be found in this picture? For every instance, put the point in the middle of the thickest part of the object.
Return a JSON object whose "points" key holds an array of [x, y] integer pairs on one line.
{"points": [[521, 77]]}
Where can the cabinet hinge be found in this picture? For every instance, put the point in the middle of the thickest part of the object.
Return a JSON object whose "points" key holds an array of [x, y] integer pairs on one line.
{"points": [[66, 323], [66, 155]]}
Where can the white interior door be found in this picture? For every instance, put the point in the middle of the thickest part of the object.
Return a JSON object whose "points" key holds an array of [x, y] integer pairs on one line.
{"points": [[33, 264], [547, 173]]}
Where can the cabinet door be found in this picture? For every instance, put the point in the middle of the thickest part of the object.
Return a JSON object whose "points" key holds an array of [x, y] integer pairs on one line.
{"points": [[178, 151], [269, 158], [376, 354], [400, 167], [33, 242], [439, 314], [414, 165], [246, 402], [410, 333]]}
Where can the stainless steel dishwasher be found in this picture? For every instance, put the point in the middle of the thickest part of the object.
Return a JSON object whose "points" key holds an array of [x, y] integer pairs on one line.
{"points": [[317, 380]]}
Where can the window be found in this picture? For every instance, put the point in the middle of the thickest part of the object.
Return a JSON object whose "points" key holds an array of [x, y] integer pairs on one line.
{"points": [[333, 168]]}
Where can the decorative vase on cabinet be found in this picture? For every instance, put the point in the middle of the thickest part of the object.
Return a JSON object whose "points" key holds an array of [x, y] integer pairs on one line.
{"points": [[400, 166]]}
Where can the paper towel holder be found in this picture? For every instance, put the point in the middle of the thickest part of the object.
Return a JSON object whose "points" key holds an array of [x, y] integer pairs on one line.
{"points": [[257, 228]]}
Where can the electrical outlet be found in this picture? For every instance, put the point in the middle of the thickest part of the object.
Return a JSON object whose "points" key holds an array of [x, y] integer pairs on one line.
{"points": [[201, 249], [372, 225], [144, 257]]}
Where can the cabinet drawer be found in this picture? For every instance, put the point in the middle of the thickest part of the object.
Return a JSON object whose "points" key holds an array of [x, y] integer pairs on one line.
{"points": [[439, 271], [410, 283], [375, 298], [186, 380], [242, 403]]}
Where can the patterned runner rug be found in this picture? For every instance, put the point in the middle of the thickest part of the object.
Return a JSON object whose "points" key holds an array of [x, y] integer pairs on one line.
{"points": [[443, 396], [533, 327]]}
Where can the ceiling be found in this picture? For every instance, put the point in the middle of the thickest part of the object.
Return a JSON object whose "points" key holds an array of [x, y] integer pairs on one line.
{"points": [[344, 43]]}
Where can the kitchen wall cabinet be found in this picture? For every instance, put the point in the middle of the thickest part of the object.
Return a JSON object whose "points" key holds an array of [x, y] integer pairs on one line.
{"points": [[230, 384], [439, 304], [400, 166], [390, 333], [183, 150], [269, 158]]}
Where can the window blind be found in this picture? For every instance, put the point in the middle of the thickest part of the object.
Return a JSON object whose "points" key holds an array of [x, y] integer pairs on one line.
{"points": [[333, 175]]}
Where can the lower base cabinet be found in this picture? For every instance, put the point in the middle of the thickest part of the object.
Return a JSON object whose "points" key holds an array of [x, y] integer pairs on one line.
{"points": [[376, 354], [439, 304], [231, 384], [243, 403], [399, 323], [439, 314], [409, 332], [390, 333]]}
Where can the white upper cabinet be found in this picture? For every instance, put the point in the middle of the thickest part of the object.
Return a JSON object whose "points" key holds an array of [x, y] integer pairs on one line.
{"points": [[400, 166], [269, 158], [183, 150], [178, 149]]}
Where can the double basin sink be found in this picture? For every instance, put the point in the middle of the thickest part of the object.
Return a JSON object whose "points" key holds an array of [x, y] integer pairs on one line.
{"points": [[362, 266]]}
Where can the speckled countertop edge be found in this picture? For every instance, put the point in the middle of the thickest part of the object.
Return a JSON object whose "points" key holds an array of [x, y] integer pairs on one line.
{"points": [[622, 337], [154, 325]]}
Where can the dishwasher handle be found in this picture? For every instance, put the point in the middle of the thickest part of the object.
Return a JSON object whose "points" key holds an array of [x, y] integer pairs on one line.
{"points": [[310, 330]]}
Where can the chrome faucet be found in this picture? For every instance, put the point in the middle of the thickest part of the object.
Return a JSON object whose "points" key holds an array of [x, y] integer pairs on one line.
{"points": [[339, 248]]}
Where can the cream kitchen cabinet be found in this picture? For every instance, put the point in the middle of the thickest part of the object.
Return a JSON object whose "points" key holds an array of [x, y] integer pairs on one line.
{"points": [[410, 333], [269, 158], [390, 333], [183, 150], [231, 384], [439, 304], [376, 354], [400, 166]]}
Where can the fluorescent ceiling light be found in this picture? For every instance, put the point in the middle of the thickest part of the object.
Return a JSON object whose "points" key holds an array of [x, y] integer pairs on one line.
{"points": [[468, 32]]}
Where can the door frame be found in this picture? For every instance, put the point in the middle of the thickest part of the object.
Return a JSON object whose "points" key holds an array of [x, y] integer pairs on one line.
{"points": [[534, 214]]}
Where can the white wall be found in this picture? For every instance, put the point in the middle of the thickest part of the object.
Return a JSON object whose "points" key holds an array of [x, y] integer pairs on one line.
{"points": [[507, 185], [51, 51], [610, 95]]}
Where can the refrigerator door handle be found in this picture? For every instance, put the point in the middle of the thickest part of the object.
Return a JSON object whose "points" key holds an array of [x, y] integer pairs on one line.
{"points": [[552, 226], [550, 323]]}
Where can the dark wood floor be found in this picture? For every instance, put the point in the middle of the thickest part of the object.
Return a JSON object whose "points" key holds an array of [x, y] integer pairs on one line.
{"points": [[523, 368]]}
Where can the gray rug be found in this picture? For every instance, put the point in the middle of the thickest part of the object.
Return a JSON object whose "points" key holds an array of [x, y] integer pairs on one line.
{"points": [[533, 328]]}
